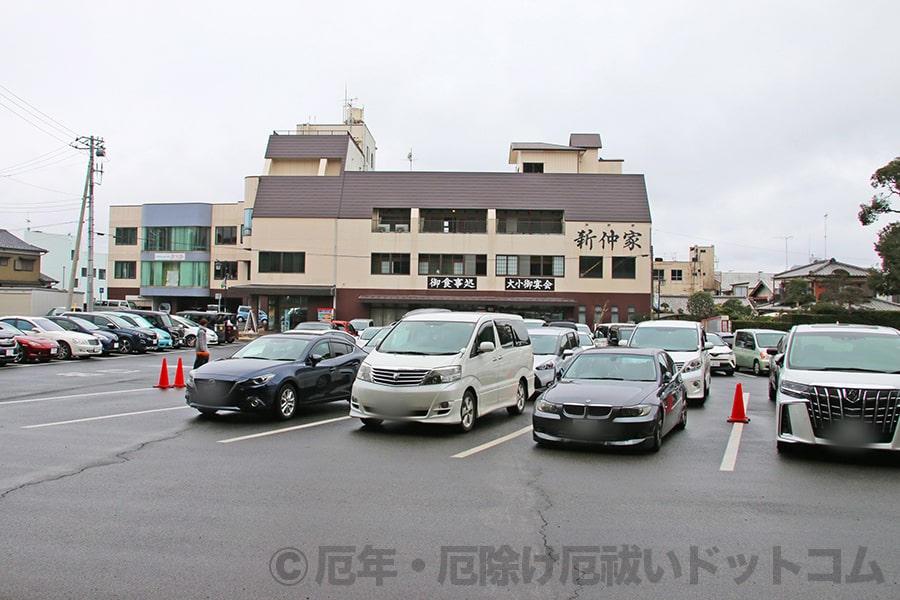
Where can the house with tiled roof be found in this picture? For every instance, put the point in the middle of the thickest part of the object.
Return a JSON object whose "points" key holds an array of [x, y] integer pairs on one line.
{"points": [[23, 288], [818, 274]]}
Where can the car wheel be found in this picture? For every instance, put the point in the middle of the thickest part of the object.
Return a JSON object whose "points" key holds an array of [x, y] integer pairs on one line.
{"points": [[467, 412], [125, 346], [729, 372], [521, 394], [190, 340], [285, 402], [682, 422], [65, 351], [20, 358], [654, 443], [757, 370], [370, 422]]}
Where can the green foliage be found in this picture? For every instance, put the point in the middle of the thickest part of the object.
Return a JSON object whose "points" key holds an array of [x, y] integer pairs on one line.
{"points": [[842, 290], [887, 318], [701, 305], [887, 280], [734, 308], [797, 293], [887, 181]]}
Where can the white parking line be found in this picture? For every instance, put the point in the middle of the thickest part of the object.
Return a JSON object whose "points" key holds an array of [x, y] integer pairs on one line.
{"points": [[734, 442], [283, 430], [70, 396], [128, 414], [493, 443]]}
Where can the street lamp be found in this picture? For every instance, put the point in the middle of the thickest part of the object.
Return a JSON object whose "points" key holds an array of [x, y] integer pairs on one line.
{"points": [[223, 267]]}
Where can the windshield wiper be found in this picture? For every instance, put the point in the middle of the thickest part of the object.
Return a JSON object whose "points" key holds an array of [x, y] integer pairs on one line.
{"points": [[411, 352], [854, 369]]}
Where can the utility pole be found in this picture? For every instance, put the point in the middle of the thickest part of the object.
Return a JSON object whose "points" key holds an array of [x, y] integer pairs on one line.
{"points": [[96, 148]]}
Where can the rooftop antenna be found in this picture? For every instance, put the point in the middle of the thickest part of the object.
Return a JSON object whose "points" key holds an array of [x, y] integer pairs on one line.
{"points": [[826, 237], [410, 158], [785, 238]]}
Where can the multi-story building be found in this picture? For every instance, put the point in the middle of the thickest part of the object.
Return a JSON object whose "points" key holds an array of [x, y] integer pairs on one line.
{"points": [[321, 233], [57, 262], [24, 288]]}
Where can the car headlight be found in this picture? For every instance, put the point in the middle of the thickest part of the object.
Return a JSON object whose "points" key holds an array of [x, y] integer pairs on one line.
{"points": [[365, 372], [795, 390], [547, 407], [692, 365], [259, 379], [546, 366], [443, 375], [641, 410]]}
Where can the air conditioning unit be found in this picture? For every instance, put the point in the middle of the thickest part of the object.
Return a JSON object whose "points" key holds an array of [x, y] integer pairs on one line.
{"points": [[383, 228], [401, 228]]}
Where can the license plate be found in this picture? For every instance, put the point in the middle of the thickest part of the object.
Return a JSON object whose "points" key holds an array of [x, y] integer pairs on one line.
{"points": [[53, 350]]}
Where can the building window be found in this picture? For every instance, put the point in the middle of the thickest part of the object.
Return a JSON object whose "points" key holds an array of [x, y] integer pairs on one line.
{"points": [[614, 314], [4, 262], [631, 312], [390, 264], [226, 236], [175, 274], [590, 267], [176, 239], [532, 167], [530, 221], [385, 220], [623, 267], [126, 236], [451, 220], [659, 274], [84, 271], [531, 266], [102, 274], [124, 269], [23, 264], [452, 264], [676, 275], [223, 268], [281, 262]]}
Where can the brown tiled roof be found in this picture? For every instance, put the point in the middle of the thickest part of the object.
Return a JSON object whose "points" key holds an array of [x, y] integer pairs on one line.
{"points": [[308, 146], [585, 140], [583, 197]]}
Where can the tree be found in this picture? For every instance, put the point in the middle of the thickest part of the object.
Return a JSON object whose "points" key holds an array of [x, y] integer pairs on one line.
{"points": [[797, 293], [701, 305], [734, 308], [841, 290], [887, 181], [887, 280]]}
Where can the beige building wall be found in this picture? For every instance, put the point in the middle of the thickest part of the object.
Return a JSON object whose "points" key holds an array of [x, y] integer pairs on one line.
{"points": [[124, 216], [697, 274]]}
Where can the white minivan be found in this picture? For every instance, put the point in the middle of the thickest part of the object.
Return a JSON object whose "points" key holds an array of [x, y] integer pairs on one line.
{"points": [[446, 367], [685, 341]]}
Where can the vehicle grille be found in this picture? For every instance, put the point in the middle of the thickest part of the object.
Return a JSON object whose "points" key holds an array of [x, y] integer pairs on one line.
{"points": [[678, 366], [877, 409], [213, 389], [586, 411], [399, 376]]}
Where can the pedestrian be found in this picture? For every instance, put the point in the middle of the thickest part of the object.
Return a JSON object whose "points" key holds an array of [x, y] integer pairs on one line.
{"points": [[202, 348]]}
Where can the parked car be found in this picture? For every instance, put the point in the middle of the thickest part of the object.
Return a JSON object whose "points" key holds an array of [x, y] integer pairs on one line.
{"points": [[164, 321], [109, 341], [613, 397], [550, 347], [313, 326], [190, 331], [243, 312], [71, 343], [533, 323], [565, 324], [727, 337], [223, 323], [585, 341], [371, 343], [344, 326], [9, 348], [751, 348], [839, 386], [615, 333], [721, 356], [446, 367], [276, 373], [32, 347], [164, 339], [366, 334], [685, 341], [131, 339], [775, 368], [361, 325]]}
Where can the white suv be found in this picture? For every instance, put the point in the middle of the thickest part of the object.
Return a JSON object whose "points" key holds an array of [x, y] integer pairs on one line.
{"points": [[839, 385], [685, 341]]}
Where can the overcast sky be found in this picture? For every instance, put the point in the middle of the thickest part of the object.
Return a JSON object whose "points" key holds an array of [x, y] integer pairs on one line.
{"points": [[750, 120]]}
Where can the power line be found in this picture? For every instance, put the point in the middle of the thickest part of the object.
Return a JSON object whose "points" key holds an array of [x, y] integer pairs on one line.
{"points": [[35, 113]]}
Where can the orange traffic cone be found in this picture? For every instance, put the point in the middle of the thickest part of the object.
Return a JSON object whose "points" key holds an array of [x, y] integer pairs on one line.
{"points": [[179, 375], [737, 410], [163, 377]]}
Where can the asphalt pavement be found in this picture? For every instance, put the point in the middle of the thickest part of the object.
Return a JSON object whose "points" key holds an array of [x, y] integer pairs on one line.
{"points": [[112, 488]]}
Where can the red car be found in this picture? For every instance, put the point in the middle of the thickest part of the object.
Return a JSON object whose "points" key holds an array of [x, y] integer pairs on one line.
{"points": [[344, 326], [33, 348]]}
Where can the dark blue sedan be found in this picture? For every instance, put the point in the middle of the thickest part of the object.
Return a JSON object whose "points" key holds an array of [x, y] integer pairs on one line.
{"points": [[615, 397], [275, 373], [109, 341]]}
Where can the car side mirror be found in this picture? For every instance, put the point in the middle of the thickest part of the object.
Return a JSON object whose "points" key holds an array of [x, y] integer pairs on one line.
{"points": [[314, 359], [771, 351], [707, 345], [666, 377], [485, 347], [568, 352], [622, 343]]}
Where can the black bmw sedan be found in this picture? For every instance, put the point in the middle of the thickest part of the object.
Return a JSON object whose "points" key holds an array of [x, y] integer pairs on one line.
{"points": [[613, 396], [275, 373]]}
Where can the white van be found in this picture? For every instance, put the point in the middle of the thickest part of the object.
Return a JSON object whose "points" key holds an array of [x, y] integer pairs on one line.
{"points": [[446, 367], [685, 341]]}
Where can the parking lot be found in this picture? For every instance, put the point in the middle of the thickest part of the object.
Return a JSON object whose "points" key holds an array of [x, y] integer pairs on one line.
{"points": [[114, 488]]}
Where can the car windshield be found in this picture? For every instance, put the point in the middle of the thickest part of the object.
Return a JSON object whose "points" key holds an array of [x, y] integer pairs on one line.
{"points": [[139, 321], [368, 333], [845, 351], [273, 348], [715, 340], [585, 340], [85, 324], [47, 324], [609, 365], [119, 321], [10, 328], [670, 339], [379, 335], [427, 337], [768, 340], [544, 344]]}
